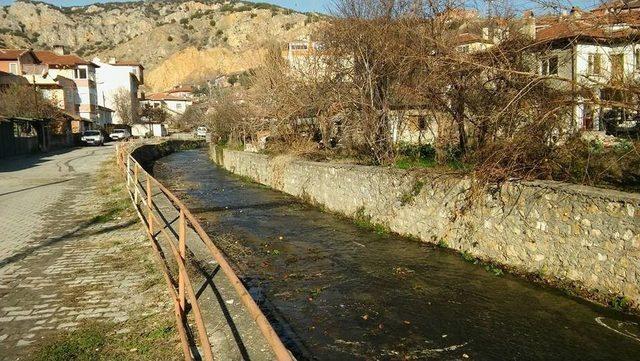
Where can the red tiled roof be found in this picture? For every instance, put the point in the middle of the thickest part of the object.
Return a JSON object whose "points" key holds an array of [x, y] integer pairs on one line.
{"points": [[583, 29], [182, 89], [51, 58], [468, 38], [11, 54], [619, 4]]}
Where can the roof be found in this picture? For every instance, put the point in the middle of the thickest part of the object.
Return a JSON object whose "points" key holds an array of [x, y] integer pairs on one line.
{"points": [[468, 38], [181, 89], [600, 30], [619, 4], [127, 63], [165, 96], [101, 107], [51, 58], [11, 54]]}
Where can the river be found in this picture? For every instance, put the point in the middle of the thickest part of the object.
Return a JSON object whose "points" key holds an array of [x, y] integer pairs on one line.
{"points": [[336, 291]]}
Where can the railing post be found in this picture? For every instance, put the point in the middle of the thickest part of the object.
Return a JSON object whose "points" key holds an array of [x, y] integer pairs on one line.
{"points": [[135, 183], [182, 249], [128, 173], [149, 205]]}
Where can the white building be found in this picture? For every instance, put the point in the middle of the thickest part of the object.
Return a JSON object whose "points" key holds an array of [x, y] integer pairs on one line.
{"points": [[114, 77], [175, 101], [595, 55]]}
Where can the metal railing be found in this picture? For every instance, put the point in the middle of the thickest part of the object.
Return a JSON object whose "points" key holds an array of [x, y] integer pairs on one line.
{"points": [[137, 178]]}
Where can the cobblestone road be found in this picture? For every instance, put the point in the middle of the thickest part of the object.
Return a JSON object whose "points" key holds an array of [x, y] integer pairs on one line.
{"points": [[59, 267]]}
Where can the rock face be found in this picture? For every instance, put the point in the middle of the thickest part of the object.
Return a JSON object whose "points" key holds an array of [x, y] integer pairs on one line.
{"points": [[177, 41], [579, 236]]}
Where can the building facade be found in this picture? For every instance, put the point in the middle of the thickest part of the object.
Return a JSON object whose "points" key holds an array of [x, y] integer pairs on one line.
{"points": [[13, 60], [58, 64], [116, 79]]}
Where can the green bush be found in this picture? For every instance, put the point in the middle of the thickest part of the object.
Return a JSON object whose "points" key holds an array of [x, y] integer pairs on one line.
{"points": [[425, 151]]}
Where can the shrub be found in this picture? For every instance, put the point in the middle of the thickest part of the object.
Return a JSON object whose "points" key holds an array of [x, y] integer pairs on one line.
{"points": [[594, 163], [169, 38]]}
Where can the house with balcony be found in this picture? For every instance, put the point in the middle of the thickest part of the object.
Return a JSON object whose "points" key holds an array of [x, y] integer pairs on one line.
{"points": [[58, 64], [596, 56], [114, 77]]}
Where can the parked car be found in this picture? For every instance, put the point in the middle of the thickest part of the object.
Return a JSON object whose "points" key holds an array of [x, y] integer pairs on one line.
{"points": [[621, 123], [120, 134], [93, 137], [202, 132]]}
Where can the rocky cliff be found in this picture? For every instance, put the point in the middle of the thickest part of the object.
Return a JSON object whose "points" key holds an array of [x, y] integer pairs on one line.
{"points": [[177, 41]]}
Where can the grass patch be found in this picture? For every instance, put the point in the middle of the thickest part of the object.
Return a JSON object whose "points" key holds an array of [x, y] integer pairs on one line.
{"points": [[150, 338], [443, 244], [408, 197], [111, 189], [413, 163], [364, 221], [620, 303], [489, 267]]}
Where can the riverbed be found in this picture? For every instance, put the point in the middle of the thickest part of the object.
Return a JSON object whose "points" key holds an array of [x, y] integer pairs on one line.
{"points": [[337, 291]]}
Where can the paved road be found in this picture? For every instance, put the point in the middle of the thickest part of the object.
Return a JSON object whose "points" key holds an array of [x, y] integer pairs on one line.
{"points": [[30, 185], [60, 269]]}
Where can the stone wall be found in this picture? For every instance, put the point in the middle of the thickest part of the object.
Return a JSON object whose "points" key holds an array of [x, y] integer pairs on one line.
{"points": [[147, 153], [584, 237]]}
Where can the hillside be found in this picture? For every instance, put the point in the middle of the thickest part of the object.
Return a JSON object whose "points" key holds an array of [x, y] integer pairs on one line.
{"points": [[177, 41]]}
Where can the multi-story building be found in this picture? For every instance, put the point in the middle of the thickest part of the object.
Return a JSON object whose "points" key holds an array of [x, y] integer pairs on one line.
{"points": [[595, 55], [82, 73], [116, 79]]}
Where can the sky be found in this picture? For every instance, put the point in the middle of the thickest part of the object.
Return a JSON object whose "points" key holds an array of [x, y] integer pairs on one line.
{"points": [[322, 5]]}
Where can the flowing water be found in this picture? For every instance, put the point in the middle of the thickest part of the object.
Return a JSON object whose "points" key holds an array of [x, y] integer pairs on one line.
{"points": [[335, 291]]}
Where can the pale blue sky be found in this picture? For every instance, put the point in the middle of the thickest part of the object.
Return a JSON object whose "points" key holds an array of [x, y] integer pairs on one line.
{"points": [[323, 5]]}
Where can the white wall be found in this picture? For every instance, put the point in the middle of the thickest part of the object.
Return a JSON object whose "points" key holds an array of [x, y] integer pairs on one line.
{"points": [[110, 80]]}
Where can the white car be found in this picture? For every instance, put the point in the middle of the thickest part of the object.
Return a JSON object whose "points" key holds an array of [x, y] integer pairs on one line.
{"points": [[202, 131], [93, 137], [120, 134]]}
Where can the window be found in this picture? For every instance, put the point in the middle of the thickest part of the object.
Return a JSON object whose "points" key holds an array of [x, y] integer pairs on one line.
{"points": [[81, 73], [595, 64], [550, 66], [13, 68], [422, 123], [617, 67]]}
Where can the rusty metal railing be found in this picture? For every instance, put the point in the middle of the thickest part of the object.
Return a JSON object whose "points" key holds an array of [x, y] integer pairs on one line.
{"points": [[136, 178]]}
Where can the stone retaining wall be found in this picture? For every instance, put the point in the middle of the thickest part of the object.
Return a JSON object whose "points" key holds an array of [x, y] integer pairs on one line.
{"points": [[585, 237], [147, 153]]}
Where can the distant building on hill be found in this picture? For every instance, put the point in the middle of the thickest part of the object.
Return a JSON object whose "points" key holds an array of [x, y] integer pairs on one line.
{"points": [[175, 101]]}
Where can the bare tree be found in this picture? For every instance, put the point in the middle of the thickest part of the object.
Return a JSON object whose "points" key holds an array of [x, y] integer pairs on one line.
{"points": [[124, 106]]}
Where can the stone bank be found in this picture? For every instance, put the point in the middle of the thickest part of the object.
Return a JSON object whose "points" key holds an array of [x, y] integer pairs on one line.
{"points": [[580, 237]]}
